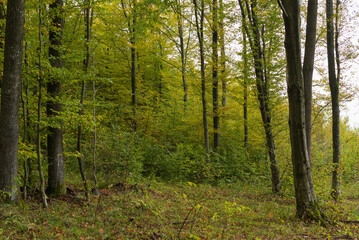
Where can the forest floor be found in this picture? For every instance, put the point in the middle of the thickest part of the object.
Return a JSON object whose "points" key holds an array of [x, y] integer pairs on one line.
{"points": [[174, 211]]}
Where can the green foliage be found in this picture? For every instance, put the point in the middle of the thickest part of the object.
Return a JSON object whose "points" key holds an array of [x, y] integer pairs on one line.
{"points": [[183, 210]]}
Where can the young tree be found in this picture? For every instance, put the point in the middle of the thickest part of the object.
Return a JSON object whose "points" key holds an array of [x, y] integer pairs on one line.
{"points": [[56, 170], [182, 49], [199, 15], [82, 98], [10, 96], [306, 200], [334, 90], [253, 30], [245, 90], [39, 106]]}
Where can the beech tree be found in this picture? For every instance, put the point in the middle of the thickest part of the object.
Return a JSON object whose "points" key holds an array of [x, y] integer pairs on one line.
{"points": [[10, 97], [332, 48], [306, 199], [56, 170]]}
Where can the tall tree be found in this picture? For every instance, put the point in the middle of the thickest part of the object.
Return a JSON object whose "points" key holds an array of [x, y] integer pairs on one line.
{"points": [[215, 74], [10, 97], [82, 98], [253, 31], [56, 170], [306, 199], [199, 15], [308, 66], [334, 90], [39, 106]]}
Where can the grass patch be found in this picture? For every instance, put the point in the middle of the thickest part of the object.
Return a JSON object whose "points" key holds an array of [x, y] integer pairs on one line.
{"points": [[159, 210]]}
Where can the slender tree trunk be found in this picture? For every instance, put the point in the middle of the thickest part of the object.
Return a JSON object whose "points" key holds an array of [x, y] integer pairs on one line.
{"points": [[215, 74], [306, 200], [223, 53], [200, 34], [95, 189], [56, 171], [133, 66], [245, 90], [10, 96], [82, 98], [262, 86], [308, 66], [25, 102], [183, 56], [39, 106], [334, 89]]}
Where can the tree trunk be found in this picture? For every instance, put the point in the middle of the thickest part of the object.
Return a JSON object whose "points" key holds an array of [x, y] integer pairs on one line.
{"points": [[200, 35], [39, 106], [183, 56], [306, 200], [10, 96], [56, 171], [82, 98], [215, 75], [132, 30], [245, 90], [223, 53], [254, 37], [308, 66], [334, 90]]}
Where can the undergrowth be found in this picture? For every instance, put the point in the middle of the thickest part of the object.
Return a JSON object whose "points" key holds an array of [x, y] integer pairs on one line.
{"points": [[157, 210]]}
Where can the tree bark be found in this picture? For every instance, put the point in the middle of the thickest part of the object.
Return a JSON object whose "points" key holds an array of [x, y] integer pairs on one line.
{"points": [[10, 97], [308, 66], [306, 200], [56, 170], [334, 90]]}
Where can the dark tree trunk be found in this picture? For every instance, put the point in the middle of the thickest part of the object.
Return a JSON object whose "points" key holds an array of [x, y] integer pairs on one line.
{"points": [[56, 171], [10, 97], [215, 75], [306, 200], [200, 34], [82, 98], [245, 90], [334, 90], [253, 33], [308, 66]]}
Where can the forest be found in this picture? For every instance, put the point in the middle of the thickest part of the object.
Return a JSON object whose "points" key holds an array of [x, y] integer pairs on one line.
{"points": [[178, 119]]}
